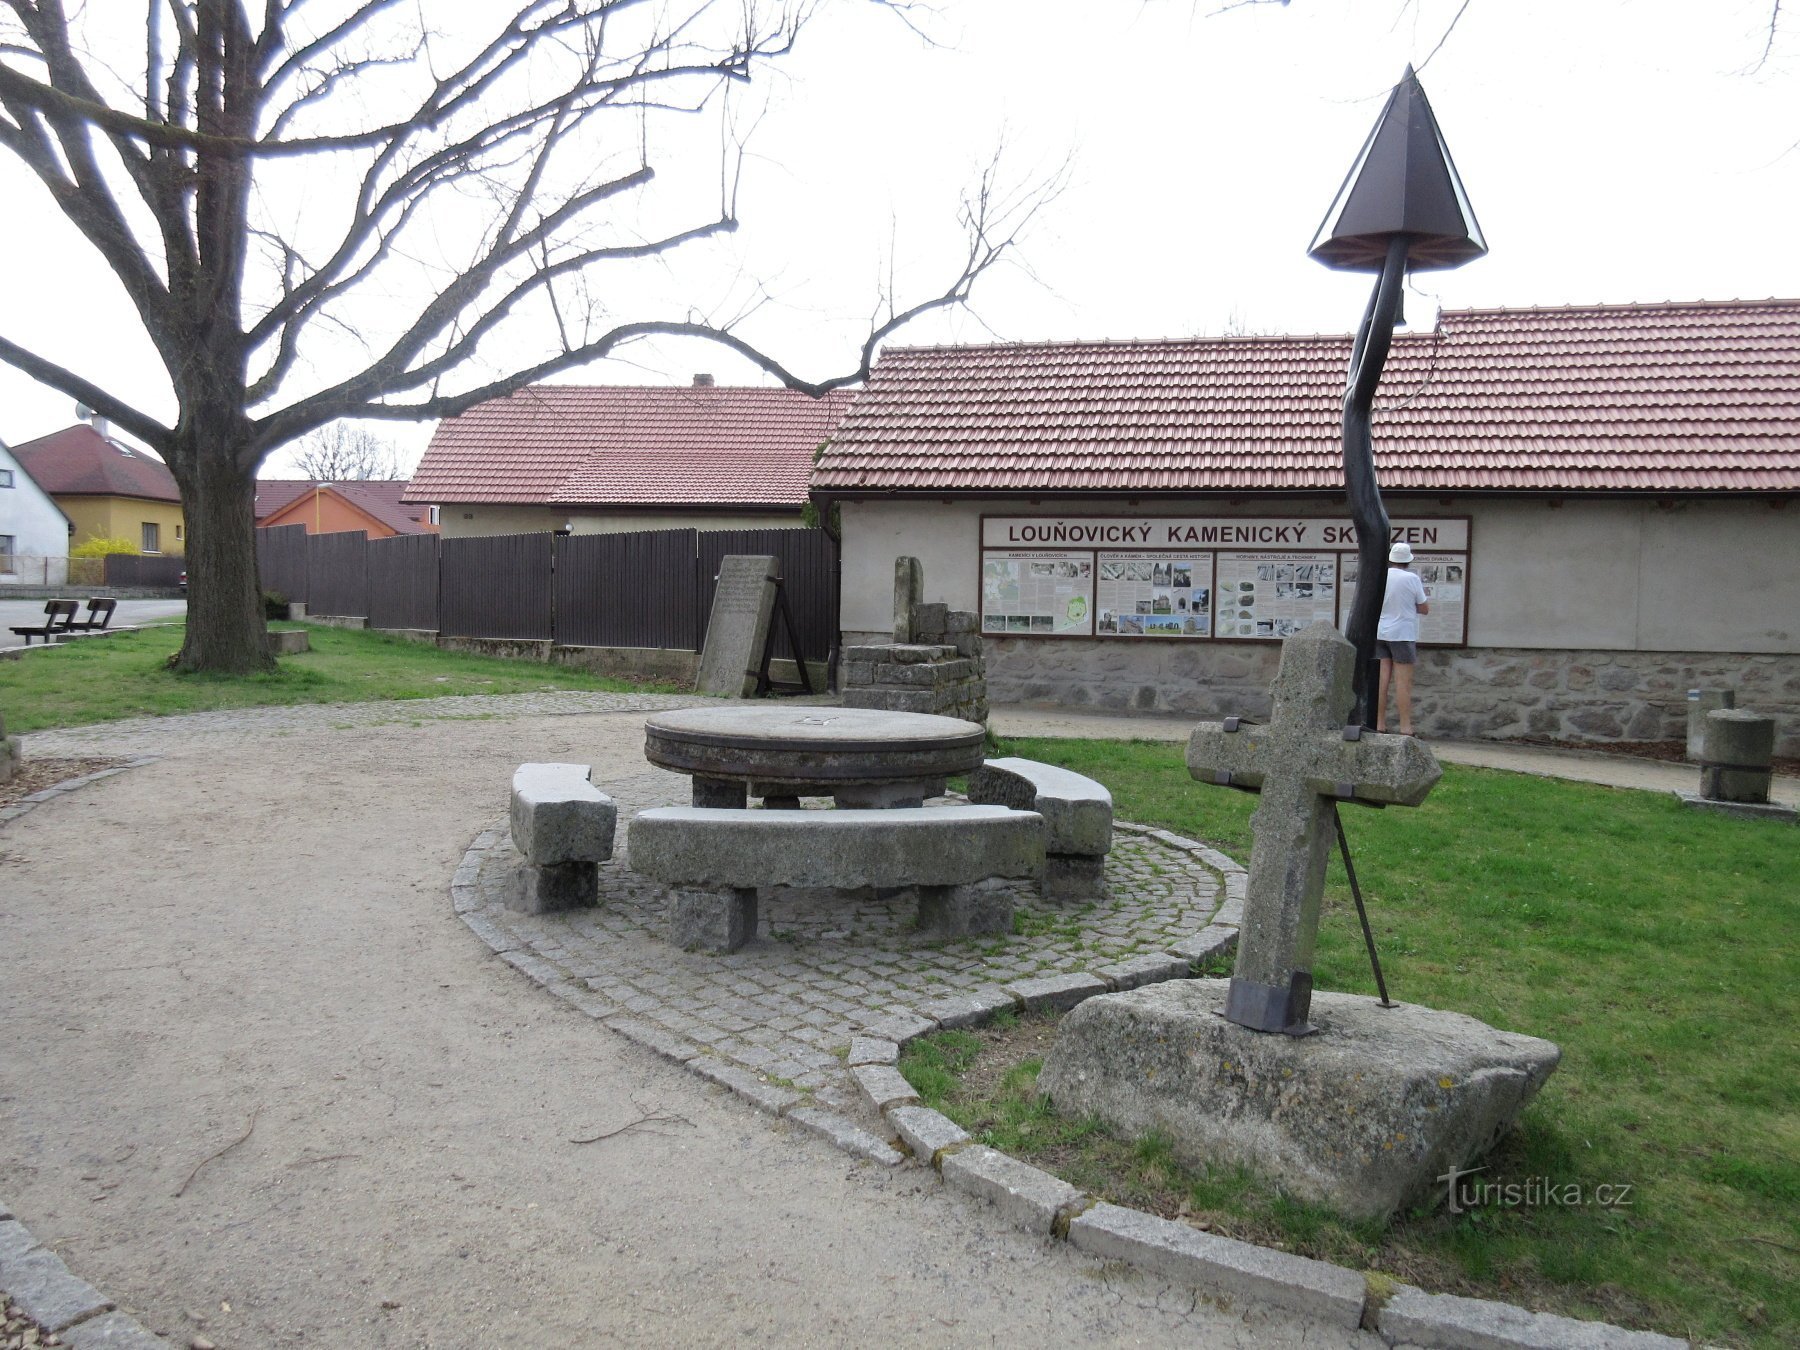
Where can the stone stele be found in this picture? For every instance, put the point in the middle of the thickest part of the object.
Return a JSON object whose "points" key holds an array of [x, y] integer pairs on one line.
{"points": [[1366, 1117], [738, 627]]}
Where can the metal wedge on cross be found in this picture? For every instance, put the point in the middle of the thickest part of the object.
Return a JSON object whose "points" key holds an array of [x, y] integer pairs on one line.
{"points": [[1308, 758]]}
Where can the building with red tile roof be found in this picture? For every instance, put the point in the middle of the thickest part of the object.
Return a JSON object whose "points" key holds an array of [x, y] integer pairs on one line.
{"points": [[108, 489], [1603, 497], [606, 457], [371, 505]]}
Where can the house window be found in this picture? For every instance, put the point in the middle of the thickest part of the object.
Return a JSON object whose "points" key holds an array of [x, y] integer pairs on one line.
{"points": [[6, 480], [431, 514], [152, 537], [178, 534], [8, 545]]}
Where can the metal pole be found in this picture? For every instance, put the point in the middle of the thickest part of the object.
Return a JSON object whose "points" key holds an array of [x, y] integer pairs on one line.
{"points": [[1367, 358], [1361, 913]]}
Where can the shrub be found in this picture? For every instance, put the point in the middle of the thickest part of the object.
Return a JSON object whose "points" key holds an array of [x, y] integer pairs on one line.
{"points": [[100, 548], [275, 605]]}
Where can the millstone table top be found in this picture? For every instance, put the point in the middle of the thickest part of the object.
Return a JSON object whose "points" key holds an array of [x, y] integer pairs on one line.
{"points": [[812, 745]]}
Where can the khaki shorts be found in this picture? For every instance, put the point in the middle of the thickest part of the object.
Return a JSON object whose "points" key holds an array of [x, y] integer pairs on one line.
{"points": [[1400, 653]]}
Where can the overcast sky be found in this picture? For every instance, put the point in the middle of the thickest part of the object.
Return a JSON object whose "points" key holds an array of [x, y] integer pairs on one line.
{"points": [[1614, 150]]}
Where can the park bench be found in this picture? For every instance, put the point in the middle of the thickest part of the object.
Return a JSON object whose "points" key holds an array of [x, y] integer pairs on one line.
{"points": [[716, 859], [563, 827], [99, 616], [59, 618], [1078, 817]]}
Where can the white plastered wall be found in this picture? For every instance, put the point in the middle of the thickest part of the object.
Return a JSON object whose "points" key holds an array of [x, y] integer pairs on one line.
{"points": [[38, 527], [1608, 574]]}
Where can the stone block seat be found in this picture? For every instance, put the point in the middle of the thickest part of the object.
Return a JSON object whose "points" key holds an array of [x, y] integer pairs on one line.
{"points": [[563, 826], [716, 859], [1078, 818]]}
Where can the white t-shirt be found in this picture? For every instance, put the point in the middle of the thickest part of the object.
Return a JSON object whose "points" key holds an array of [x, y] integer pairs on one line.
{"points": [[1400, 607]]}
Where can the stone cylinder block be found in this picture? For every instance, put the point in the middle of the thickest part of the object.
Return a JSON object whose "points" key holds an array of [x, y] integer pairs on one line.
{"points": [[1699, 703], [1735, 754]]}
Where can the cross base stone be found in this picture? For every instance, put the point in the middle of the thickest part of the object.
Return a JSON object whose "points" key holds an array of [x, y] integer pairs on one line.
{"points": [[550, 887], [1365, 1117], [718, 921]]}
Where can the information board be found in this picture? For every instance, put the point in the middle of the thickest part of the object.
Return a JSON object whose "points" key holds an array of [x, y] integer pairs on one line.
{"points": [[1154, 595], [1239, 578], [1445, 577]]}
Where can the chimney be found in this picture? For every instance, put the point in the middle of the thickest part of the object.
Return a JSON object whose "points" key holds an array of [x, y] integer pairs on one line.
{"points": [[703, 381]]}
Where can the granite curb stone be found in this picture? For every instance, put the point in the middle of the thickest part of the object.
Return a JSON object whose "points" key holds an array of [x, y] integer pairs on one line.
{"points": [[111, 1331], [1060, 992], [927, 1132], [1450, 1322], [35, 1278], [36, 799], [1237, 1269], [846, 1134], [1028, 1197], [884, 1086], [872, 1050]]}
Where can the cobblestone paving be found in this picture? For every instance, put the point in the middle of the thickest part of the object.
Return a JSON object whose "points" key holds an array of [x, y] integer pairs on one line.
{"points": [[827, 968], [147, 735]]}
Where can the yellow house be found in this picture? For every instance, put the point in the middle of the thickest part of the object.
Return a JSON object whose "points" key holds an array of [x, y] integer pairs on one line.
{"points": [[107, 490]]}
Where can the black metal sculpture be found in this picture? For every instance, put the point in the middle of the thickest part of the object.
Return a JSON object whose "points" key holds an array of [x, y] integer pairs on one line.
{"points": [[1402, 207]]}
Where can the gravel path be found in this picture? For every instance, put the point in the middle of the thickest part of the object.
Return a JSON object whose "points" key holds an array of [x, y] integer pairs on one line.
{"points": [[261, 1085]]}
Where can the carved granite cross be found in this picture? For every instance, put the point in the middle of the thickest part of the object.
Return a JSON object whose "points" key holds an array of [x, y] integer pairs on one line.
{"points": [[1301, 763]]}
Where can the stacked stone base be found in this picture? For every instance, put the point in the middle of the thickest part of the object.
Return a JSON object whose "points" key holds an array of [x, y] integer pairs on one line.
{"points": [[941, 671]]}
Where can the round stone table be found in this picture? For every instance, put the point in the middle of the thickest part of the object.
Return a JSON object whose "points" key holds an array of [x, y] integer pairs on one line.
{"points": [[862, 757]]}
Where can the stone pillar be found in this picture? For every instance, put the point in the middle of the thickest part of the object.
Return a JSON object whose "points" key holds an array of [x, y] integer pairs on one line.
{"points": [[909, 590], [1735, 755], [1700, 703], [9, 753], [712, 921], [549, 888]]}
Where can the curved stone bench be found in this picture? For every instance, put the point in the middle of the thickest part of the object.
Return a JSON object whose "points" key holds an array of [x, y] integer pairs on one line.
{"points": [[716, 860], [563, 826], [1078, 817]]}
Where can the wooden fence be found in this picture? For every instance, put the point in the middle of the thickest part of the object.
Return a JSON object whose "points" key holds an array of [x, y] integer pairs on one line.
{"points": [[652, 588]]}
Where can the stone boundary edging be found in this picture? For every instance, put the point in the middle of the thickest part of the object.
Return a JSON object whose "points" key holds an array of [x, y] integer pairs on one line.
{"points": [[42, 795], [61, 1303], [1044, 1205]]}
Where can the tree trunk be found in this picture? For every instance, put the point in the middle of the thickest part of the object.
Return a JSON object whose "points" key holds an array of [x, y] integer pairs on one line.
{"points": [[226, 630]]}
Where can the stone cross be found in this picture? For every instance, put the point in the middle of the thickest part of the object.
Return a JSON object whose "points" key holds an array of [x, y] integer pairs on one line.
{"points": [[1302, 762]]}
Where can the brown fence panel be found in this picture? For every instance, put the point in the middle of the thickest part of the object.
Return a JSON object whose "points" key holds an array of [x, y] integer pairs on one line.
{"points": [[496, 587], [403, 582], [337, 573], [125, 569], [627, 590], [809, 581], [281, 561]]}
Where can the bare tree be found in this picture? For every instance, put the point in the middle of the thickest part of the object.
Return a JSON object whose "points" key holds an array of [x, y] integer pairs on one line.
{"points": [[343, 453], [268, 186]]}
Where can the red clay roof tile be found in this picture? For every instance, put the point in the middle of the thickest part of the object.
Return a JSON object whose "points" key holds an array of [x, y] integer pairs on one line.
{"points": [[1701, 397], [588, 445], [79, 462]]}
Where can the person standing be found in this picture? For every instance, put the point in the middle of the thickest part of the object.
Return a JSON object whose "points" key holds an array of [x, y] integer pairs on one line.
{"points": [[1397, 636]]}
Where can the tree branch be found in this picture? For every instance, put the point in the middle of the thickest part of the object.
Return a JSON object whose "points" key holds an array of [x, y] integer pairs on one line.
{"points": [[145, 428]]}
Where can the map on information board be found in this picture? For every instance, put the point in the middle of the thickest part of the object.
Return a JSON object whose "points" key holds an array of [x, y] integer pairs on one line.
{"points": [[1036, 592]]}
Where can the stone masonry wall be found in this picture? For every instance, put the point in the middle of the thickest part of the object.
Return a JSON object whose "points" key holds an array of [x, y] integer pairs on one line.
{"points": [[1462, 694], [941, 672]]}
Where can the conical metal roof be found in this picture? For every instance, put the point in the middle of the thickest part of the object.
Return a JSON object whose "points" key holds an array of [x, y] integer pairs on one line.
{"points": [[1403, 182]]}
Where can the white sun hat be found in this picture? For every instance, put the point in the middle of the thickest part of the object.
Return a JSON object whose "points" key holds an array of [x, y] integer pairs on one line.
{"points": [[1400, 553]]}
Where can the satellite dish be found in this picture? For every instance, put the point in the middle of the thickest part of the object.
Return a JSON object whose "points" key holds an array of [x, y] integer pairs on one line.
{"points": [[85, 413]]}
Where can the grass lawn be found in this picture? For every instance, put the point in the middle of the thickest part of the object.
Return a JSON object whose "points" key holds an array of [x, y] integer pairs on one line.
{"points": [[1655, 944], [100, 679]]}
